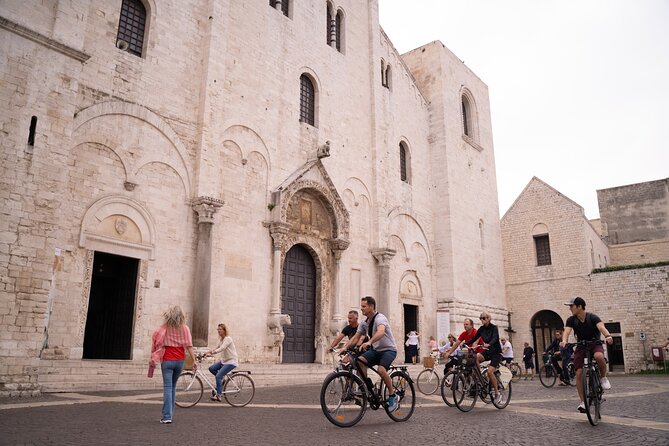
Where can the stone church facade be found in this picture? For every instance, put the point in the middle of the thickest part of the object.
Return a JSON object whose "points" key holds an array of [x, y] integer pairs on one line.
{"points": [[263, 164], [552, 253]]}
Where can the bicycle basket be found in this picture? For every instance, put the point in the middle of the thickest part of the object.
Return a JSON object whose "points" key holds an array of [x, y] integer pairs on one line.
{"points": [[428, 362]]}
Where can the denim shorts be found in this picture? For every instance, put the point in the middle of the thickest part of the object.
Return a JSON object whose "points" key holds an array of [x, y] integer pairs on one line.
{"points": [[384, 358]]}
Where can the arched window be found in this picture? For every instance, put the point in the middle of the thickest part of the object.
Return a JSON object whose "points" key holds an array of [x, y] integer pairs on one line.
{"points": [[328, 25], [131, 26], [466, 117], [542, 244], [383, 72], [388, 76], [405, 163], [339, 23], [284, 5], [307, 100]]}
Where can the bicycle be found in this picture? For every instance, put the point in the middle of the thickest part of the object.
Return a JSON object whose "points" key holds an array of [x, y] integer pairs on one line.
{"points": [[516, 371], [428, 379], [345, 395], [238, 386], [447, 381], [471, 383], [548, 373], [592, 386]]}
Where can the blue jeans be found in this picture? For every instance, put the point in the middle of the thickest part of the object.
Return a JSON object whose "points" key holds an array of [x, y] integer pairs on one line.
{"points": [[220, 370], [171, 371]]}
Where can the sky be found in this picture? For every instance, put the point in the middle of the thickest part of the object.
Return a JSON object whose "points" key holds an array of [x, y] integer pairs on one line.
{"points": [[579, 89]]}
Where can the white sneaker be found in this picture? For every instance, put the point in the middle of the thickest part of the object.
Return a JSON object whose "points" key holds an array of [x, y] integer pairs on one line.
{"points": [[606, 385], [581, 407]]}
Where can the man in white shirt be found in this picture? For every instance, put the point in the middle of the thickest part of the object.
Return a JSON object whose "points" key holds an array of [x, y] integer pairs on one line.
{"points": [[507, 351]]}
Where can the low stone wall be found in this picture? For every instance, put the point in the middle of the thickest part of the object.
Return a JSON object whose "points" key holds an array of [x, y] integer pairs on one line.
{"points": [[639, 300]]}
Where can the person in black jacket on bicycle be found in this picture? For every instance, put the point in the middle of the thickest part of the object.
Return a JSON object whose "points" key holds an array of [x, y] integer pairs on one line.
{"points": [[488, 334], [560, 357]]}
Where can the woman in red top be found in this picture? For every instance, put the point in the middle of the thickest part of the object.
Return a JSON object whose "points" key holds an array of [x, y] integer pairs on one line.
{"points": [[169, 345]]}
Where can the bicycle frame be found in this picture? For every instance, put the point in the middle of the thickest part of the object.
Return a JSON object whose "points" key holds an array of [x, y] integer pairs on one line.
{"points": [[212, 386]]}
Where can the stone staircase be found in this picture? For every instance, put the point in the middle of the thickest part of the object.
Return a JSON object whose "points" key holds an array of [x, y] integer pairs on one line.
{"points": [[110, 375]]}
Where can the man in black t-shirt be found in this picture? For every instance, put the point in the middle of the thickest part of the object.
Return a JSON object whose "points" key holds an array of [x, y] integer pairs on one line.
{"points": [[586, 327], [347, 331], [528, 360]]}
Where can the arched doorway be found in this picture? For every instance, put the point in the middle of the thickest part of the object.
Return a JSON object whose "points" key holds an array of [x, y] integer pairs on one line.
{"points": [[298, 299], [543, 325]]}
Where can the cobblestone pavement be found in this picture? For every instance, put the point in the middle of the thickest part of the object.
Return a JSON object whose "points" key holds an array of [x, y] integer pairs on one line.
{"points": [[636, 411]]}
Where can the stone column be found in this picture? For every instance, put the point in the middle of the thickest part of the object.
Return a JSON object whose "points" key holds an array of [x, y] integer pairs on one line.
{"points": [[383, 257], [337, 246], [205, 207], [279, 233], [277, 4]]}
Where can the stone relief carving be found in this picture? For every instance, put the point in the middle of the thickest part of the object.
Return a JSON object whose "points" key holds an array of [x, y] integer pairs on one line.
{"points": [[85, 293]]}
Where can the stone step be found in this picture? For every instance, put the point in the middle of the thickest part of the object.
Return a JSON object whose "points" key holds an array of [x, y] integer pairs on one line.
{"points": [[107, 375]]}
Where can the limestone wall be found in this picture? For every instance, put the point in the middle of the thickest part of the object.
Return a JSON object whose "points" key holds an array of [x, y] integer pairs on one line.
{"points": [[124, 144], [639, 300], [636, 212]]}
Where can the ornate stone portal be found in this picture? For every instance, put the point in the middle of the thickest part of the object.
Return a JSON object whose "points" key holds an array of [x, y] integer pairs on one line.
{"points": [[308, 210]]}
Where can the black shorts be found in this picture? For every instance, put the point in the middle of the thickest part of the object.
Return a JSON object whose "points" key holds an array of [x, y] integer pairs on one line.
{"points": [[529, 364], [494, 357]]}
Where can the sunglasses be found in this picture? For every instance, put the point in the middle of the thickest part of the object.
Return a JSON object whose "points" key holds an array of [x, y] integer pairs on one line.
{"points": [[483, 318]]}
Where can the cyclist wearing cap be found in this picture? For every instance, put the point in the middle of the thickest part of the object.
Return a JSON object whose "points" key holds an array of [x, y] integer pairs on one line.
{"points": [[488, 334], [586, 327]]}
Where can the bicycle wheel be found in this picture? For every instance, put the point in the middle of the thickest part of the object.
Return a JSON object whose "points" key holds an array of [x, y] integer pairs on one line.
{"points": [[547, 376], [590, 391], [506, 396], [405, 392], [239, 390], [465, 391], [189, 390], [516, 372], [446, 388], [343, 399], [428, 381]]}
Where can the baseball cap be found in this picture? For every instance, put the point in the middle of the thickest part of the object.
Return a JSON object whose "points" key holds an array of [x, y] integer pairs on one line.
{"points": [[576, 301]]}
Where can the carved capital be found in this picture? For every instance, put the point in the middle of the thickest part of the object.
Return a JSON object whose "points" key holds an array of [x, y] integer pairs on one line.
{"points": [[383, 255], [279, 233], [206, 207], [338, 246]]}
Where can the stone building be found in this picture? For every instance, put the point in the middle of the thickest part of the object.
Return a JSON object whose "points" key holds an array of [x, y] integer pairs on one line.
{"points": [[262, 164], [552, 252]]}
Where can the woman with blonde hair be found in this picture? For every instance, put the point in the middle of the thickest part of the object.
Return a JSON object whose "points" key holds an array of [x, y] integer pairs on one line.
{"points": [[169, 345], [228, 359]]}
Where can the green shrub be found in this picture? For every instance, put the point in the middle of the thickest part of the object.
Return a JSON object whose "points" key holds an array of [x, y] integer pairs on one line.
{"points": [[624, 267]]}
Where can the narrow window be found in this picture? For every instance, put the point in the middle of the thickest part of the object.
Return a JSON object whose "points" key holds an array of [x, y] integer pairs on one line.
{"points": [[383, 73], [31, 133], [543, 247], [130, 36], [283, 3], [481, 236], [466, 117], [328, 24], [403, 163], [388, 77], [307, 100], [338, 24]]}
